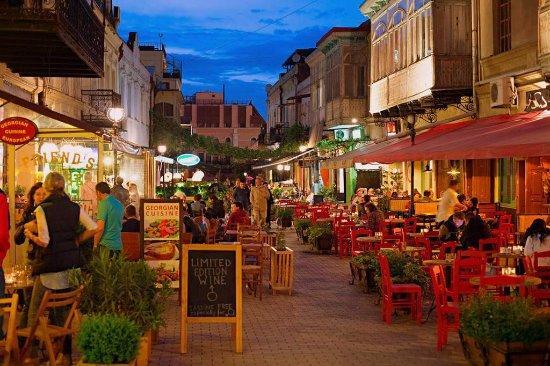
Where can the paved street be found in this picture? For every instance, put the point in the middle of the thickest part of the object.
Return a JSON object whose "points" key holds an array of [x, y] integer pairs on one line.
{"points": [[325, 322]]}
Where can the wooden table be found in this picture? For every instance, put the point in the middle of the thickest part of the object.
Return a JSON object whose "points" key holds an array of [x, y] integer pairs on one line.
{"points": [[326, 219], [413, 249], [415, 235], [529, 280], [438, 262], [395, 221], [16, 286], [369, 239]]}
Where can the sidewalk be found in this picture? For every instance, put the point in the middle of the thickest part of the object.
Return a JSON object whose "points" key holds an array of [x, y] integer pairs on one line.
{"points": [[324, 322]]}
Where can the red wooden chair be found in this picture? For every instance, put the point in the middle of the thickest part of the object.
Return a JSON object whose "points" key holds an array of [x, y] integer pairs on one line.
{"points": [[463, 270], [504, 218], [319, 213], [470, 253], [448, 314], [359, 247], [300, 211], [538, 293], [343, 239], [410, 295], [500, 286], [409, 226], [528, 265], [392, 241], [507, 232], [541, 266], [447, 247], [424, 242]]}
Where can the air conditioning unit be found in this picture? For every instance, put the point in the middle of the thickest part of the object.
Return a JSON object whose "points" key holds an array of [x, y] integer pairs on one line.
{"points": [[504, 93]]}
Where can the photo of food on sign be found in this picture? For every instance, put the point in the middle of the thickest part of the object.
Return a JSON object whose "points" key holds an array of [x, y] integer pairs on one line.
{"points": [[161, 251], [164, 229], [161, 221]]}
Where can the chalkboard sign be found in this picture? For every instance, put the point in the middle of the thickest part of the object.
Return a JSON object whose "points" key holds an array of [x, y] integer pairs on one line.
{"points": [[211, 283], [212, 288]]}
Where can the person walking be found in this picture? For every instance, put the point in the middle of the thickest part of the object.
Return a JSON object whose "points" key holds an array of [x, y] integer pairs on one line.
{"points": [[87, 194], [120, 193], [241, 194], [109, 219], [449, 199], [270, 202], [259, 195], [55, 230]]}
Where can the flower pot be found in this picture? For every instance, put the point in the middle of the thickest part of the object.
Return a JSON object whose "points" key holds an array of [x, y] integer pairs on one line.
{"points": [[145, 347], [324, 242], [504, 353], [281, 277], [82, 363], [286, 222]]}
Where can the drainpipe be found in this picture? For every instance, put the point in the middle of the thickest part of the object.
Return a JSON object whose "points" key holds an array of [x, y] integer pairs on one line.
{"points": [[475, 50]]}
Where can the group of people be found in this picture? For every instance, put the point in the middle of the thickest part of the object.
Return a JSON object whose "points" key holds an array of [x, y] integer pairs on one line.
{"points": [[61, 235]]}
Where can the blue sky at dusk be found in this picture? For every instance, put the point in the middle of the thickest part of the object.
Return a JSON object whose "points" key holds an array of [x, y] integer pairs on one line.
{"points": [[220, 41]]}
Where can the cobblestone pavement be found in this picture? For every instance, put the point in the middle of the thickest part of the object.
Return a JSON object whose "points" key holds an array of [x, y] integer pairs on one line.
{"points": [[324, 322]]}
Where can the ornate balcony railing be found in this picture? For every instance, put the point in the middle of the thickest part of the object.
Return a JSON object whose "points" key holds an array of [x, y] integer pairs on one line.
{"points": [[99, 101], [66, 36]]}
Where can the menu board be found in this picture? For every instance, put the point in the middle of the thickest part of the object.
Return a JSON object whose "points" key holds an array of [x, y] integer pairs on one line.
{"points": [[161, 228], [211, 284], [212, 290]]}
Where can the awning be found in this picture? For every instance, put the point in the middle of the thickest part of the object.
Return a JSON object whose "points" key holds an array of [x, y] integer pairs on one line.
{"points": [[283, 161], [520, 135], [347, 160]]}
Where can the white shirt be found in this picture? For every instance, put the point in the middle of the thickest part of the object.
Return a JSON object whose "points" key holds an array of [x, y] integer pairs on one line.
{"points": [[42, 224], [534, 245], [447, 205]]}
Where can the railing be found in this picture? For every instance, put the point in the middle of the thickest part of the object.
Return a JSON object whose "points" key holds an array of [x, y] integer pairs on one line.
{"points": [[99, 101], [79, 27]]}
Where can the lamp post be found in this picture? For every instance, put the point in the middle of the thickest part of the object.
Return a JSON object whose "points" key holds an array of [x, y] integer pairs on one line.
{"points": [[115, 115], [162, 150]]}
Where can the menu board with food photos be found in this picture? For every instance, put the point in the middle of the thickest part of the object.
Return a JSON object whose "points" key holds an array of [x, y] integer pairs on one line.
{"points": [[161, 229]]}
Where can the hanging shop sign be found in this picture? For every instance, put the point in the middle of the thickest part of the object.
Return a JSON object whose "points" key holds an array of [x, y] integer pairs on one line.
{"points": [[17, 130], [71, 156], [537, 100], [188, 159]]}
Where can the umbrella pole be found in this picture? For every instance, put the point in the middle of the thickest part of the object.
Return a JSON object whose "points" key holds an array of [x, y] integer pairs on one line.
{"points": [[411, 205]]}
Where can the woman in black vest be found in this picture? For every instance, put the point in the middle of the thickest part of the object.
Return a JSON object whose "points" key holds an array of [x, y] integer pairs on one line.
{"points": [[57, 222]]}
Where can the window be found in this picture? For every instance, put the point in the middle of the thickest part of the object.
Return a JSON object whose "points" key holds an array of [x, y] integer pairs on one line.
{"points": [[503, 27], [507, 181]]}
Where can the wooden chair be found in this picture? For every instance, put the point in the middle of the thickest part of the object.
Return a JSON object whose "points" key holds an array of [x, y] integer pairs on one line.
{"points": [[541, 266], [489, 246], [249, 234], [463, 270], [499, 287], [187, 238], [253, 267], [448, 314], [9, 347], [343, 238], [212, 231], [447, 247], [356, 247], [47, 332], [131, 246], [410, 295]]}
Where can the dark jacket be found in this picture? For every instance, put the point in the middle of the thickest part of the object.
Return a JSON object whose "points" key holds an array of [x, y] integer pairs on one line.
{"points": [[19, 237], [192, 227], [217, 211], [474, 230], [131, 226], [448, 230], [242, 195], [62, 252]]}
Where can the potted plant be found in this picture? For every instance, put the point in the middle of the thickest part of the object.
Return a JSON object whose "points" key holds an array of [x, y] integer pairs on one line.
{"points": [[404, 269], [514, 332], [285, 217], [113, 285], [301, 226], [320, 236], [282, 266], [108, 339], [364, 268]]}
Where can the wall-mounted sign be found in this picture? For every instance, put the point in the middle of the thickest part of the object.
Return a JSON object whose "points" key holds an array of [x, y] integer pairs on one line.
{"points": [[71, 156], [537, 100], [188, 159], [17, 130]]}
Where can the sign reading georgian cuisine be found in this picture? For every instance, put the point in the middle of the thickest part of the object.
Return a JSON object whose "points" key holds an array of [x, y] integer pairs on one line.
{"points": [[17, 130]]}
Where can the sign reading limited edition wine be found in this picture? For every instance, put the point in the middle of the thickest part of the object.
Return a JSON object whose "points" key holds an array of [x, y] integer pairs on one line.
{"points": [[212, 293]]}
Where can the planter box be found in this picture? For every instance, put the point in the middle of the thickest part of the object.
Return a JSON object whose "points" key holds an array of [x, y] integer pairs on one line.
{"points": [[505, 354], [82, 363], [145, 347], [324, 243], [282, 270], [362, 275]]}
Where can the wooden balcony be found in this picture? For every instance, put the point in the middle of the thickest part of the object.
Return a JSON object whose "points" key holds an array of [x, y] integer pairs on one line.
{"points": [[51, 38]]}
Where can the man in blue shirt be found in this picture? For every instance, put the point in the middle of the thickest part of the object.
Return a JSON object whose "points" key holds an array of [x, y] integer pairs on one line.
{"points": [[109, 219]]}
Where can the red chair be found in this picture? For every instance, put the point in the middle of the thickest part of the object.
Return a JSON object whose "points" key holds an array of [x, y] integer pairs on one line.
{"points": [[538, 293], [504, 218], [392, 241], [489, 246], [410, 295], [541, 266], [409, 226], [463, 270], [319, 213], [448, 314], [447, 247], [343, 239], [500, 286], [470, 253], [528, 265], [507, 232], [356, 247], [300, 211], [426, 243]]}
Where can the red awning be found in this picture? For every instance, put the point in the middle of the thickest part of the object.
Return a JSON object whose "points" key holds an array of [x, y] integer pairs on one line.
{"points": [[502, 136]]}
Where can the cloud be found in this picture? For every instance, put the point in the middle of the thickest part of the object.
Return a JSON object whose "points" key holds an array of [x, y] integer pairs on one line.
{"points": [[193, 82], [257, 11], [271, 21], [248, 77]]}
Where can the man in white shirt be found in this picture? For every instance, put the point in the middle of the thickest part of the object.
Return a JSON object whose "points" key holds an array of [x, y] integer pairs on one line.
{"points": [[448, 201]]}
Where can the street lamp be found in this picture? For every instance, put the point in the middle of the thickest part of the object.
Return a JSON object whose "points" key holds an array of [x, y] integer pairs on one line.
{"points": [[354, 120], [162, 149], [303, 148], [116, 114]]}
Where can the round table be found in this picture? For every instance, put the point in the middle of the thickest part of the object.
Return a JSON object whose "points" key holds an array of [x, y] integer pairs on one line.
{"points": [[369, 239], [413, 249], [438, 262], [529, 280]]}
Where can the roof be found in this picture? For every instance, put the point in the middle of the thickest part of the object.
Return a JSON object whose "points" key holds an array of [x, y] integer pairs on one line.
{"points": [[363, 27], [302, 52]]}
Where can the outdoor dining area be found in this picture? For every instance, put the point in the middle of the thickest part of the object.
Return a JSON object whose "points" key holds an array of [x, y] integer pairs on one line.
{"points": [[406, 262]]}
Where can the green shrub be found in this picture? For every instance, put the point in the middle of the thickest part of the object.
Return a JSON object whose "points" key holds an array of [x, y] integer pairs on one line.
{"points": [[302, 224], [113, 285], [285, 213], [488, 320], [316, 231], [108, 339], [404, 269]]}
